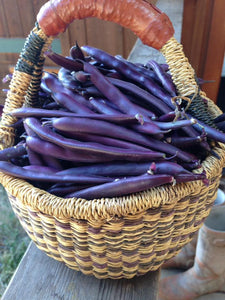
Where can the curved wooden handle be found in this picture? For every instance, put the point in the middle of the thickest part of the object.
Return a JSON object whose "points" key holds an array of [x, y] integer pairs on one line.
{"points": [[153, 27]]}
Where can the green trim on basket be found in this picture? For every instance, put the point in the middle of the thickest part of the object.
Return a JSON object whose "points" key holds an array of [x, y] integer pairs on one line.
{"points": [[30, 54], [199, 109]]}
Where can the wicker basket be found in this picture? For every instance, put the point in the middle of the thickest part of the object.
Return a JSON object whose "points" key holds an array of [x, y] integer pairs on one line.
{"points": [[117, 237]]}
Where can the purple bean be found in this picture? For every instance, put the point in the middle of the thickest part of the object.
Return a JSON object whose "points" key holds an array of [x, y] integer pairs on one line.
{"points": [[20, 172], [51, 105], [34, 158], [175, 124], [72, 102], [7, 78], [20, 161], [181, 178], [221, 126], [112, 130], [43, 147], [17, 124], [51, 84], [146, 127], [202, 81], [191, 131], [99, 127], [140, 68], [121, 67], [24, 112], [52, 162], [110, 91], [79, 99], [102, 107], [165, 67], [67, 79], [76, 52], [110, 169], [184, 141], [153, 101], [65, 62], [220, 118], [165, 80], [141, 107], [167, 117], [114, 74], [167, 167], [81, 76], [89, 148], [92, 91], [42, 169], [5, 91], [172, 150], [123, 187], [60, 189], [13, 152], [106, 141], [211, 132], [118, 118], [192, 165], [150, 128]]}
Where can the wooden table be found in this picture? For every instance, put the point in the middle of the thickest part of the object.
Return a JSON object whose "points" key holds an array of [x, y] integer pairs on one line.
{"points": [[39, 277]]}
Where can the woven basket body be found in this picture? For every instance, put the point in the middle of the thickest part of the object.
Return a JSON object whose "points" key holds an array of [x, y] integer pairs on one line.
{"points": [[111, 237]]}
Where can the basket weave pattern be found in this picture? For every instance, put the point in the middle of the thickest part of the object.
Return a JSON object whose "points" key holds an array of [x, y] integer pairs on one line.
{"points": [[108, 238], [118, 246]]}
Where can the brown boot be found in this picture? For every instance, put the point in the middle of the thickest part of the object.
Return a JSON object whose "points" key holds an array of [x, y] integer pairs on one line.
{"points": [[208, 273], [185, 258]]}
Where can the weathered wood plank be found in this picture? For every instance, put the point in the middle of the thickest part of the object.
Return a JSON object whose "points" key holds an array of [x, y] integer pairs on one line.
{"points": [[3, 23], [27, 16], [12, 17], [195, 31], [105, 35], [78, 32], [129, 39], [41, 277], [188, 21], [37, 4], [203, 39], [215, 50]]}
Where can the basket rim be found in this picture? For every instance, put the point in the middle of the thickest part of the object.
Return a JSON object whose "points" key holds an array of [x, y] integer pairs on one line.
{"points": [[109, 208]]}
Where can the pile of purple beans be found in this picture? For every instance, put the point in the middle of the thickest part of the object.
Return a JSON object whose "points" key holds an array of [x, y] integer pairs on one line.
{"points": [[106, 127]]}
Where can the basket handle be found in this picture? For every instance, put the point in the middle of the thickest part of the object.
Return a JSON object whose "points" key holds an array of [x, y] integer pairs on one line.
{"points": [[152, 26]]}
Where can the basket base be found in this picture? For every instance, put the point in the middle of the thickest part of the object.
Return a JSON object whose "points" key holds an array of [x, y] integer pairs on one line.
{"points": [[43, 273], [120, 248]]}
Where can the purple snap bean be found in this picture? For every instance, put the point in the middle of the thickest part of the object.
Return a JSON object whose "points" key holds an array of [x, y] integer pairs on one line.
{"points": [[20, 172], [123, 187], [89, 148], [124, 69], [13, 152], [65, 62]]}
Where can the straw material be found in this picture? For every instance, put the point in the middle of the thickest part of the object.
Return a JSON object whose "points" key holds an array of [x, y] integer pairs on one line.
{"points": [[183, 74], [111, 237]]}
